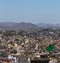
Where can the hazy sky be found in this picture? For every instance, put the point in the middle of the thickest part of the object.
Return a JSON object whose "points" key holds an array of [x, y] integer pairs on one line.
{"points": [[35, 11]]}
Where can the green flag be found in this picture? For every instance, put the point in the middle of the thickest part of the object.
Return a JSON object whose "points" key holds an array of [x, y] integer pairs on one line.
{"points": [[50, 48]]}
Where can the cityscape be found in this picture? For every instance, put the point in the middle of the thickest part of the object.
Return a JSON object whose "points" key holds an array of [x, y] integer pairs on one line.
{"points": [[18, 45], [29, 31]]}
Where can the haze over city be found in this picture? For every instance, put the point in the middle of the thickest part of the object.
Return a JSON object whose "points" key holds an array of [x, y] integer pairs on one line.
{"points": [[33, 11], [29, 31]]}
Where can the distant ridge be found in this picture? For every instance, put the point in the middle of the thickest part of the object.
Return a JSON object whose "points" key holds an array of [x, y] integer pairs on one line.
{"points": [[26, 25], [7, 23], [45, 25], [21, 25]]}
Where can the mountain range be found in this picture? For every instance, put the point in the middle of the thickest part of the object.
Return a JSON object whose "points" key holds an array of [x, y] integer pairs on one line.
{"points": [[26, 26], [22, 25]]}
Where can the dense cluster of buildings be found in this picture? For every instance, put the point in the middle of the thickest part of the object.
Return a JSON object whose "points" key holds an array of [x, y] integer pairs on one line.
{"points": [[16, 45]]}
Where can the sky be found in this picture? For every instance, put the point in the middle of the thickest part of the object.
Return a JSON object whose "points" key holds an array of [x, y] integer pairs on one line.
{"points": [[33, 11]]}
